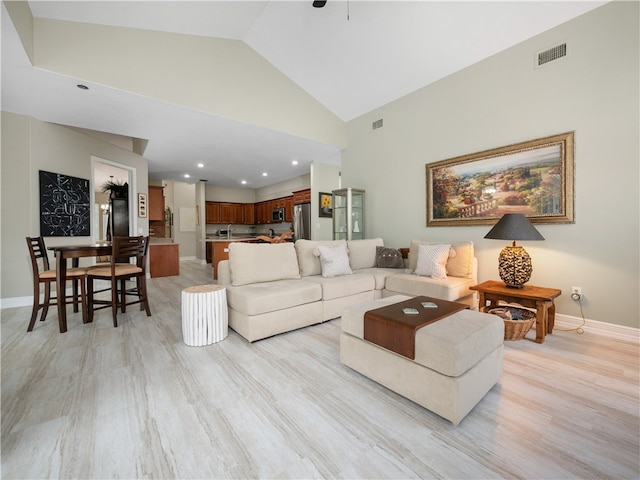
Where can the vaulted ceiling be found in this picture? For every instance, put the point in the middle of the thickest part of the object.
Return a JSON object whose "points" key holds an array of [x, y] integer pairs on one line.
{"points": [[351, 56]]}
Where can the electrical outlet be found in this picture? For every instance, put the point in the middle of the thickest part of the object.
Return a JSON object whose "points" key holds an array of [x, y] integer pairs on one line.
{"points": [[576, 293]]}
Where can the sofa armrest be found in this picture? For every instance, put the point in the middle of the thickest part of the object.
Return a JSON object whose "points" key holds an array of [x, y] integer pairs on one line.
{"points": [[224, 273], [474, 270]]}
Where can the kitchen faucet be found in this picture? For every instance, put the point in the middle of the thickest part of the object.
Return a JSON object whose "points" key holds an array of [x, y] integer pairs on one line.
{"points": [[228, 231]]}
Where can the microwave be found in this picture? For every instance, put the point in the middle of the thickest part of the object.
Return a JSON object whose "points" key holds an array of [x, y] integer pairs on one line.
{"points": [[277, 215]]}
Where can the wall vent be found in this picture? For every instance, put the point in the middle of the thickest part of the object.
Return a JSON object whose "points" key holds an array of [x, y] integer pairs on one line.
{"points": [[377, 124], [552, 54]]}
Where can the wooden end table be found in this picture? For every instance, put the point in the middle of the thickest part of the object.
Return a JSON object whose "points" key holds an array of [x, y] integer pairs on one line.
{"points": [[540, 298]]}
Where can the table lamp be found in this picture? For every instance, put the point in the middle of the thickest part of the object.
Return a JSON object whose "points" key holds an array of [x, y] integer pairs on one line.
{"points": [[514, 263]]}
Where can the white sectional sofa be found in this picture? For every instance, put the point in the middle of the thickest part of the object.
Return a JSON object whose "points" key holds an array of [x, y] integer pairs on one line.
{"points": [[276, 288]]}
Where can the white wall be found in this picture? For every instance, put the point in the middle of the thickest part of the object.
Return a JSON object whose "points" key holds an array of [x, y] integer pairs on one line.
{"points": [[504, 100]]}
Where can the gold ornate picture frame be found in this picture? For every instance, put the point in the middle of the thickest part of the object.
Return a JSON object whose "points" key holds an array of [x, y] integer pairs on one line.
{"points": [[534, 178]]}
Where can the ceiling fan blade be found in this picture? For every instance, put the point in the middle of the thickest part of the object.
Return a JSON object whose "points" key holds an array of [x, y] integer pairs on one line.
{"points": [[319, 3]]}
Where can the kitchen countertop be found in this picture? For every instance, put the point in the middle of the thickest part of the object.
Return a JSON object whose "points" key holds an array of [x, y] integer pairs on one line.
{"points": [[161, 241], [234, 238]]}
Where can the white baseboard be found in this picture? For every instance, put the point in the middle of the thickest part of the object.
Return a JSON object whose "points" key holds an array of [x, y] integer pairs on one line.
{"points": [[612, 330], [16, 302], [187, 258]]}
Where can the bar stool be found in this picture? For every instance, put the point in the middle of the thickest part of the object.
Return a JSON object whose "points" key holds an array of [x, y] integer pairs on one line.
{"points": [[47, 276]]}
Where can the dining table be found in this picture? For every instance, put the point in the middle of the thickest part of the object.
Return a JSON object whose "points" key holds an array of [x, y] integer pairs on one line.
{"points": [[74, 252]]}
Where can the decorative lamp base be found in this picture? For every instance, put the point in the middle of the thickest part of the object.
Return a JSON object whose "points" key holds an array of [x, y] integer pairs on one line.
{"points": [[514, 266]]}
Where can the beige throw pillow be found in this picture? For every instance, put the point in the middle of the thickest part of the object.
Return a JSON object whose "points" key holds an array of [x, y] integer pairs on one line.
{"points": [[458, 265]]}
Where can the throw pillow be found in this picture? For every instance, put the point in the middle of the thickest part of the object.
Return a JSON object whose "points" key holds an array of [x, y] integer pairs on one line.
{"points": [[432, 260], [388, 258], [334, 261]]}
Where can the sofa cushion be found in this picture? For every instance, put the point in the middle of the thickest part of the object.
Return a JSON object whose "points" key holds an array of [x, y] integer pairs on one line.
{"points": [[257, 262], [259, 298], [459, 265], [450, 288], [379, 275], [432, 260], [310, 264], [334, 261], [388, 258], [338, 287], [362, 253]]}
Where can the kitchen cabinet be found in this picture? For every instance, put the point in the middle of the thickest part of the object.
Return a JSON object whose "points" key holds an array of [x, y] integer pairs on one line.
{"points": [[348, 214], [302, 196], [156, 203], [230, 213], [288, 209], [261, 216], [212, 212], [248, 214]]}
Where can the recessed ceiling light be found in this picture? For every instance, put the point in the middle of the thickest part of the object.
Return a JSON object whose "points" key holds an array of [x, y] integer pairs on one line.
{"points": [[264, 174], [82, 87], [244, 182], [186, 175], [294, 162], [201, 165]]}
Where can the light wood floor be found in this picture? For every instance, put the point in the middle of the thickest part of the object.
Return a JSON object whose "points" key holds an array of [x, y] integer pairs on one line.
{"points": [[136, 402]]}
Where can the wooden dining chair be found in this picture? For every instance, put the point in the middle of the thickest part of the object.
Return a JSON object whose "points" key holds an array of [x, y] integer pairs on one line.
{"points": [[118, 273], [44, 275]]}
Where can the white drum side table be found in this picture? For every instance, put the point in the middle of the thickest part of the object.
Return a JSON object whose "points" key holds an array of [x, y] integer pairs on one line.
{"points": [[204, 315]]}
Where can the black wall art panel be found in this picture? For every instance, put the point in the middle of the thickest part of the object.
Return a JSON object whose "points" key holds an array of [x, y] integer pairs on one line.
{"points": [[65, 207]]}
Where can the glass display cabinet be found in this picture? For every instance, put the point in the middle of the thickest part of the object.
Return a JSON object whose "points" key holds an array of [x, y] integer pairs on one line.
{"points": [[348, 214]]}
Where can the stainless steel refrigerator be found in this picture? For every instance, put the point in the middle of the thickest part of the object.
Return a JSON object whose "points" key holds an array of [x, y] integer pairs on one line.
{"points": [[302, 221]]}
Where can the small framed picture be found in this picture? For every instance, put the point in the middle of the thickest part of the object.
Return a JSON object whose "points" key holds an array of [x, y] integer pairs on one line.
{"points": [[325, 205], [142, 205]]}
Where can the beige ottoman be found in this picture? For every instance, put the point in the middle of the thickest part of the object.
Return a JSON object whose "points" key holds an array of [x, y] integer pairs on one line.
{"points": [[458, 359]]}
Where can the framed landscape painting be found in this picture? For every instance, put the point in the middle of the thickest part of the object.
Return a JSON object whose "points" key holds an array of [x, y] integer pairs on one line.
{"points": [[534, 178]]}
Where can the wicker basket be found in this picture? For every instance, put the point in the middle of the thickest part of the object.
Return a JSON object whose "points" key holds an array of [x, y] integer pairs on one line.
{"points": [[515, 329]]}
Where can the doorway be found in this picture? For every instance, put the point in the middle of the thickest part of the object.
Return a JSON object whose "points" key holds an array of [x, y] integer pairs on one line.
{"points": [[104, 171]]}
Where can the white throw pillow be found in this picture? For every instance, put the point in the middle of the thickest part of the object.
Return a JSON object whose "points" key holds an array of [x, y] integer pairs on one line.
{"points": [[432, 260], [334, 261]]}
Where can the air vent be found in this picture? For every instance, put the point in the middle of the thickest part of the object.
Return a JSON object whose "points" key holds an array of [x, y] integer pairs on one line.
{"points": [[377, 124], [552, 54]]}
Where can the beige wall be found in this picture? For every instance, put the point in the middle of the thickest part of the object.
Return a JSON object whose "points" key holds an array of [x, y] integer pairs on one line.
{"points": [[324, 178], [29, 145], [235, 82], [184, 196], [505, 100]]}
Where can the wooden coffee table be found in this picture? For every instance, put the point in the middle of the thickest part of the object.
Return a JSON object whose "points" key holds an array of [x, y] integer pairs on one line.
{"points": [[540, 298]]}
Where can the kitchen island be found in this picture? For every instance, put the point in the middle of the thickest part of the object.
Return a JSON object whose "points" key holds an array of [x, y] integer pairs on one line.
{"points": [[218, 248], [164, 258]]}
